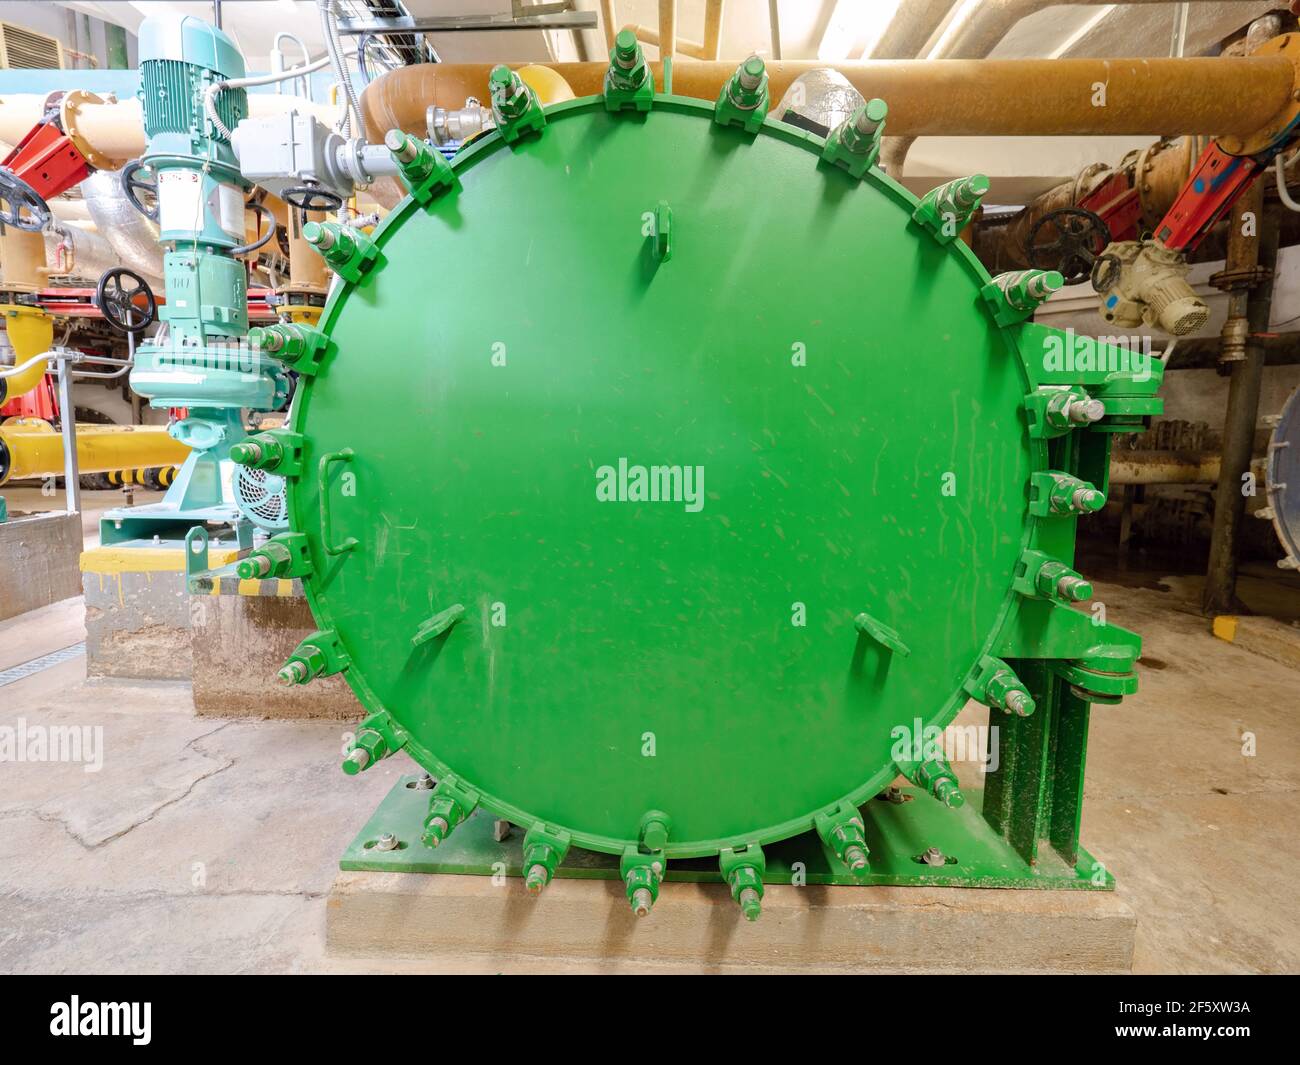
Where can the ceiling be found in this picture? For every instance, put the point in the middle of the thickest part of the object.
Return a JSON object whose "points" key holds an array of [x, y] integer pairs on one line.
{"points": [[808, 27]]}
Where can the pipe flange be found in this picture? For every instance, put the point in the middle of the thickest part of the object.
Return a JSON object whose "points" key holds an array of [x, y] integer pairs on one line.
{"points": [[1287, 45], [68, 108], [1245, 277]]}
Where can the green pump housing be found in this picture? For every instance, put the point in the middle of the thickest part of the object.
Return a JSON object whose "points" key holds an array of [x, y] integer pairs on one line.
{"points": [[735, 488], [200, 360]]}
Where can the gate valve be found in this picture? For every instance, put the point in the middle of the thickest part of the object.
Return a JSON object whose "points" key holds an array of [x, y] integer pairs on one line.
{"points": [[642, 874], [284, 555], [449, 805], [944, 212], [743, 872], [854, 145], [842, 831], [299, 347], [424, 170], [1056, 493], [544, 850], [348, 252], [935, 776], [515, 107], [743, 101], [629, 84]]}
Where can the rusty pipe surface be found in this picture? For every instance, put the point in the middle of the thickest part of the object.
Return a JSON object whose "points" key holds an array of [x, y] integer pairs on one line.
{"points": [[956, 97]]}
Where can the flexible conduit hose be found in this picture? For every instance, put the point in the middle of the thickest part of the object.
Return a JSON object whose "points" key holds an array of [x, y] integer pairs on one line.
{"points": [[210, 93], [330, 27]]}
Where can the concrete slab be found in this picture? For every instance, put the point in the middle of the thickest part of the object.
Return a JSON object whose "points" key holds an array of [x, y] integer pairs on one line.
{"points": [[38, 561], [1263, 636], [870, 929]]}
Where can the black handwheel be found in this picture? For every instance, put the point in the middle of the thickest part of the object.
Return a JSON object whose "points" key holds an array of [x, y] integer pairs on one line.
{"points": [[1067, 241], [116, 296], [1105, 272], [21, 206], [311, 198], [133, 186]]}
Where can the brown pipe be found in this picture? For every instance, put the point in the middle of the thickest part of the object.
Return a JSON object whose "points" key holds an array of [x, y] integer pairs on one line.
{"points": [[956, 97]]}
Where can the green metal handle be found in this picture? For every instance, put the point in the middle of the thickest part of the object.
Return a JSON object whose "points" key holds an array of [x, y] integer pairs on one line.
{"points": [[322, 484]]}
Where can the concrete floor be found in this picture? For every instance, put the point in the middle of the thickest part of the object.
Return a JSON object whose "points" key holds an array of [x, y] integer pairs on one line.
{"points": [[202, 846]]}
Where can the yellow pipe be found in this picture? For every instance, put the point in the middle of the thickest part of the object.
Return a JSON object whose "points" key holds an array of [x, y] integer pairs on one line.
{"points": [[31, 332], [30, 447]]}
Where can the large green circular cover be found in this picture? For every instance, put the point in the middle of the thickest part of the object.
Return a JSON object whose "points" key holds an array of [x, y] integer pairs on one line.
{"points": [[845, 418]]}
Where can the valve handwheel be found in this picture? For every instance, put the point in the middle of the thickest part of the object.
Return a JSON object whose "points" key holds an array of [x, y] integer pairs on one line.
{"points": [[307, 198], [1080, 237], [21, 206], [117, 296], [132, 186]]}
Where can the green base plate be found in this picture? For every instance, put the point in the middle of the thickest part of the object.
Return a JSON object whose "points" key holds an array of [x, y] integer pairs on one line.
{"points": [[898, 833]]}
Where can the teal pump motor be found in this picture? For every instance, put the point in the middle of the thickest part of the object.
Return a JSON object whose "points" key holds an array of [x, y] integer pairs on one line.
{"points": [[200, 360]]}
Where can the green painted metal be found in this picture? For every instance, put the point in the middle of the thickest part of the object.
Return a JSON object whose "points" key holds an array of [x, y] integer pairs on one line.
{"points": [[662, 492], [899, 832]]}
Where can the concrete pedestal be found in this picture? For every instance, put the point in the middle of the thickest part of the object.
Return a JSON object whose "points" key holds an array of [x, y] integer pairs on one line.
{"points": [[876, 929], [238, 643], [38, 561]]}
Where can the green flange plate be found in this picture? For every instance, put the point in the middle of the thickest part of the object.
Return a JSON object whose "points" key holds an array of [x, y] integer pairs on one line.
{"points": [[897, 833]]}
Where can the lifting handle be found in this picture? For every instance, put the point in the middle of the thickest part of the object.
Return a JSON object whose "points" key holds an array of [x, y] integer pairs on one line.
{"points": [[322, 484]]}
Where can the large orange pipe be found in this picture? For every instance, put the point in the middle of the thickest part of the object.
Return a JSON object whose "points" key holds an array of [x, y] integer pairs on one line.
{"points": [[951, 97]]}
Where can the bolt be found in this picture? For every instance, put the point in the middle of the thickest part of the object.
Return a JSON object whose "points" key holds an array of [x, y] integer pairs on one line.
{"points": [[536, 879], [246, 454], [1087, 499], [934, 856], [750, 904], [266, 339], [386, 842], [642, 900], [855, 858], [255, 568], [401, 145], [436, 831], [625, 49], [318, 236], [425, 783], [1020, 703], [1075, 589], [870, 117], [1086, 411], [750, 74], [293, 673], [949, 794], [503, 82], [358, 758]]}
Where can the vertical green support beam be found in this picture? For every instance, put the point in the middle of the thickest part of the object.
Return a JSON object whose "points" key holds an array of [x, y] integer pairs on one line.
{"points": [[1036, 793]]}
